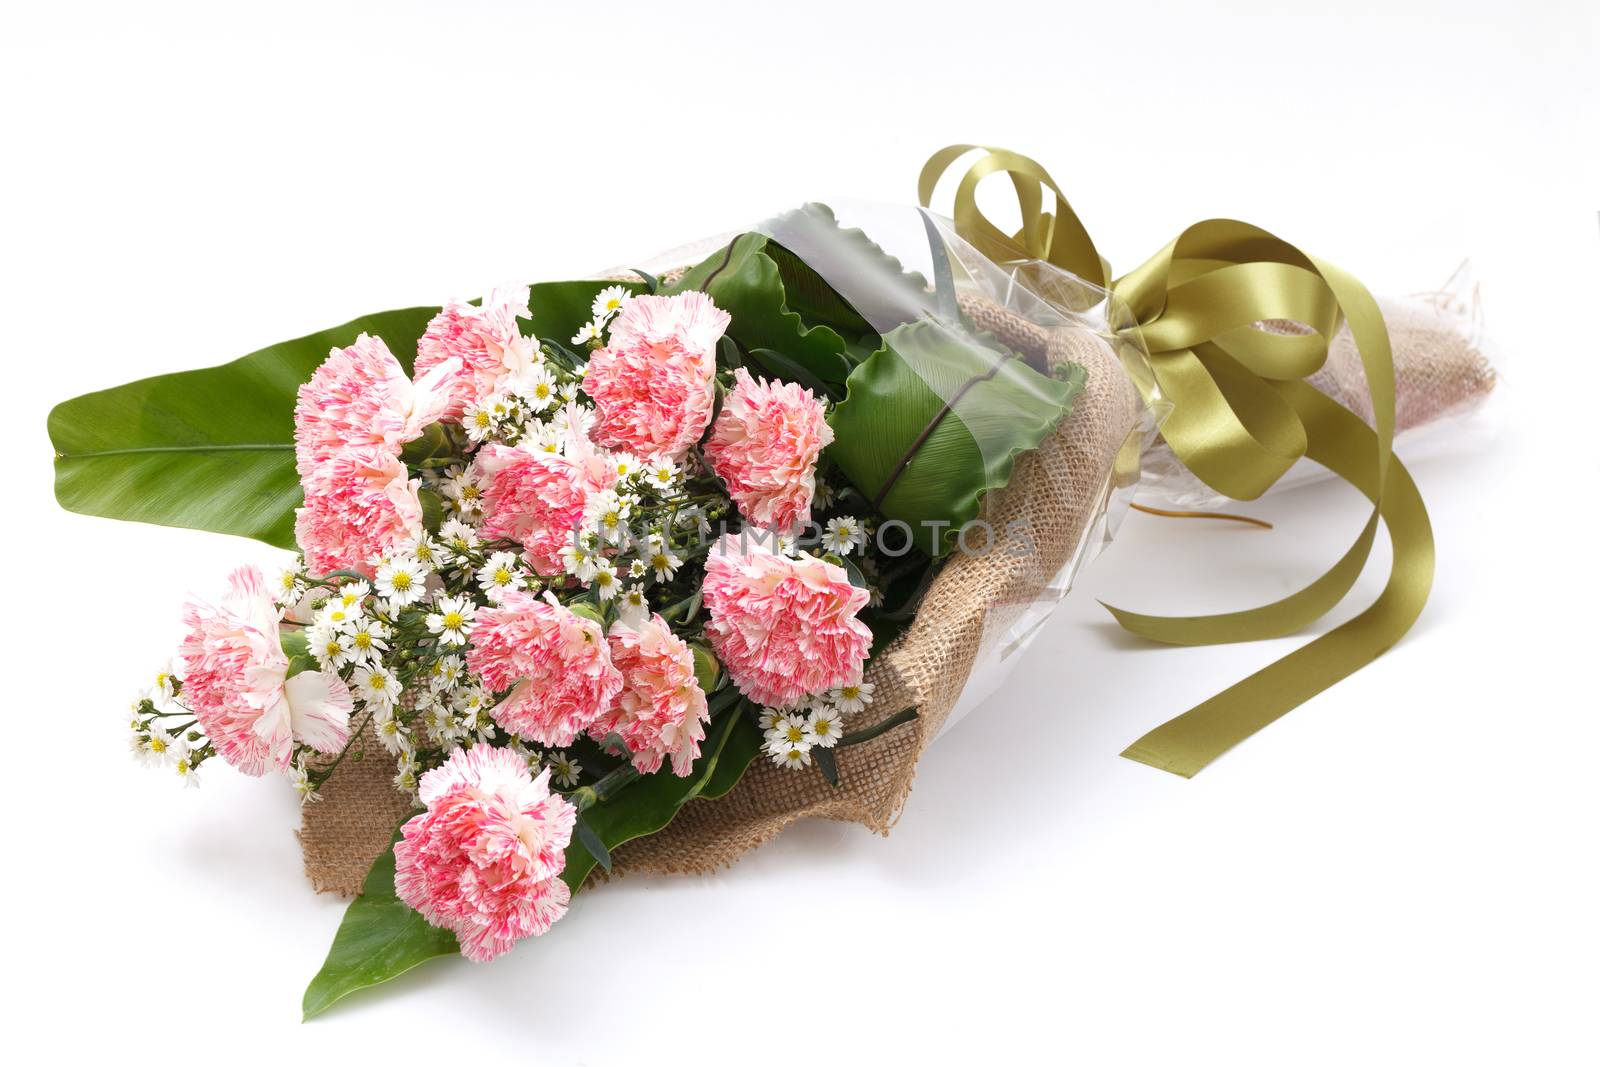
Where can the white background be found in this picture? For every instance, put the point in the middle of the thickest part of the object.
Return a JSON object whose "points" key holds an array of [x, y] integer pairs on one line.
{"points": [[1400, 871]]}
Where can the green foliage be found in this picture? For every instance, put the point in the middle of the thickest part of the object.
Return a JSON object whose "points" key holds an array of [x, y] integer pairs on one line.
{"points": [[380, 938], [935, 419], [213, 449]]}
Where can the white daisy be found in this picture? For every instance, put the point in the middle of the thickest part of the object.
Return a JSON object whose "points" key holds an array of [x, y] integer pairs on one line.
{"points": [[183, 762], [402, 580], [445, 674], [422, 549], [793, 756], [405, 778], [501, 574], [790, 730], [604, 580], [539, 389], [291, 586], [480, 422], [452, 619], [442, 726], [458, 537], [544, 437], [606, 514], [376, 687], [770, 718], [609, 301], [625, 465], [336, 616], [661, 473], [351, 594], [300, 779], [564, 770], [392, 732], [166, 683], [364, 641], [568, 392], [824, 726], [159, 747], [638, 568], [578, 558], [327, 646], [589, 331], [852, 698], [843, 535], [632, 607], [661, 559]]}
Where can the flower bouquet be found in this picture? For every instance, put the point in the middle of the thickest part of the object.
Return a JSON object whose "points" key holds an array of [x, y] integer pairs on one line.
{"points": [[629, 573]]}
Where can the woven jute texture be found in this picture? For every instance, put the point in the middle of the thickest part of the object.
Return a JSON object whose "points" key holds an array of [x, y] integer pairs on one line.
{"points": [[1056, 491], [1438, 368]]}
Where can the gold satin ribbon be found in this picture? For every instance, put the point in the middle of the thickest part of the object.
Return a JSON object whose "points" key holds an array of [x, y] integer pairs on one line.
{"points": [[1241, 417]]}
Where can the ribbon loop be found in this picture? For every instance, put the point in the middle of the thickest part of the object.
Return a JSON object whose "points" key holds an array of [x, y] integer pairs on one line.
{"points": [[1208, 308]]}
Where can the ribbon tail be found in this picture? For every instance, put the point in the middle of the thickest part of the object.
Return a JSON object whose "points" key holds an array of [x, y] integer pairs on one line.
{"points": [[1343, 443]]}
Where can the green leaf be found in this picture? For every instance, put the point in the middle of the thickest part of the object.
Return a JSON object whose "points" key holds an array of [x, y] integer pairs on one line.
{"points": [[827, 764], [379, 939], [213, 449], [743, 280], [707, 669], [207, 449], [935, 419], [559, 309], [650, 803]]}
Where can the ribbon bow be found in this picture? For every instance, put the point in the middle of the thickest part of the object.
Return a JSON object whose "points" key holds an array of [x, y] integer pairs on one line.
{"points": [[1242, 415]]}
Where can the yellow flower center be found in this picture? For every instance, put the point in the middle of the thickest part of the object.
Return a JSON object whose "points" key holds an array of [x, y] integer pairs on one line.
{"points": [[482, 420], [502, 577], [401, 580], [453, 620], [157, 745]]}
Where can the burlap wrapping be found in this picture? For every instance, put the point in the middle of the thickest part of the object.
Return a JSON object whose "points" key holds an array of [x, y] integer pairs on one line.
{"points": [[1059, 490]]}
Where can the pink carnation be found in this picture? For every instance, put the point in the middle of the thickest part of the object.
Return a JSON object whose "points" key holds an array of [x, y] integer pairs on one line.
{"points": [[486, 340], [484, 860], [784, 628], [652, 386], [765, 447], [537, 498], [360, 396], [236, 684], [661, 712], [360, 503], [554, 662]]}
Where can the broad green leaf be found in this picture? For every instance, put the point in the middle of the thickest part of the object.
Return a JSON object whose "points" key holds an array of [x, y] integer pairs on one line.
{"points": [[380, 938], [207, 449], [650, 803], [743, 280], [935, 419], [213, 449]]}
